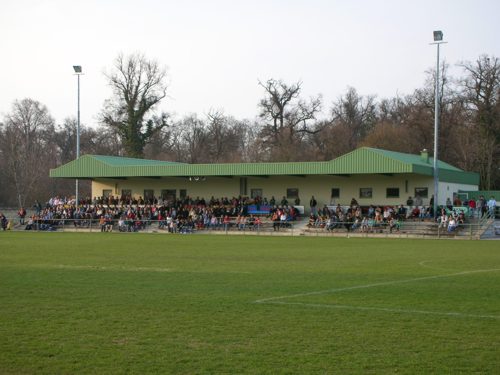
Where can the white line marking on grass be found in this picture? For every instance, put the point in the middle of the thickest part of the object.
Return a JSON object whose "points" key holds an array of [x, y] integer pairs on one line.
{"points": [[384, 309], [384, 283], [113, 268], [424, 264], [276, 300], [234, 272], [132, 269]]}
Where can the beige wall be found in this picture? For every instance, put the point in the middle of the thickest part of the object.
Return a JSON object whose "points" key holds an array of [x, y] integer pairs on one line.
{"points": [[448, 189], [319, 186]]}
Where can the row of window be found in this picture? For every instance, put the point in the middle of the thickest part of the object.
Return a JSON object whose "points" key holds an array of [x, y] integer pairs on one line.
{"points": [[393, 192], [291, 193], [364, 193], [165, 194]]}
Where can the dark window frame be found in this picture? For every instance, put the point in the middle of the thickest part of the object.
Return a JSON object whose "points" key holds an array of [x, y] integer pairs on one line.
{"points": [[146, 196], [165, 193], [420, 190], [387, 195], [366, 193], [335, 190], [254, 191], [292, 193]]}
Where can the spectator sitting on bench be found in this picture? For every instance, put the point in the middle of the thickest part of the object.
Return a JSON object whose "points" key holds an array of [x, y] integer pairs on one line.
{"points": [[452, 223], [394, 224], [402, 211], [415, 213]]}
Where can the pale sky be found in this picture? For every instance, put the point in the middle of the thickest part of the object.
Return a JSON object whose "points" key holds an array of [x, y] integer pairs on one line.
{"points": [[216, 51]]}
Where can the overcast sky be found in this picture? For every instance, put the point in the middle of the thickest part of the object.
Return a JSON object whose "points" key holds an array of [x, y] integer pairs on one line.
{"points": [[216, 51]]}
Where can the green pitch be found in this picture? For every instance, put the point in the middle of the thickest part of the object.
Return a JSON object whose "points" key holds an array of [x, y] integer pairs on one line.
{"points": [[198, 304]]}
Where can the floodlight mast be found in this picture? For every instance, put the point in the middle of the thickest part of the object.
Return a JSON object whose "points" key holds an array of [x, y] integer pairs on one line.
{"points": [[438, 39], [78, 72]]}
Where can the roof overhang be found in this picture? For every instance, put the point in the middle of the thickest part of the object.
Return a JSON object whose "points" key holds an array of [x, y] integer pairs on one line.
{"points": [[363, 161]]}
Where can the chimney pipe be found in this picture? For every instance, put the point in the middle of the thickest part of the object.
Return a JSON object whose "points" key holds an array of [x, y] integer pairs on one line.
{"points": [[424, 155]]}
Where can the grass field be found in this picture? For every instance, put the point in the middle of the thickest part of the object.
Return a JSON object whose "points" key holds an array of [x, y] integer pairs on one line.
{"points": [[153, 304]]}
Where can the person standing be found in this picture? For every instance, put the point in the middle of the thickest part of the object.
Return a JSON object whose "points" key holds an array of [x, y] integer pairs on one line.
{"points": [[449, 205], [3, 221], [492, 204], [409, 203], [418, 201], [472, 207], [22, 214], [38, 207], [313, 203], [481, 206]]}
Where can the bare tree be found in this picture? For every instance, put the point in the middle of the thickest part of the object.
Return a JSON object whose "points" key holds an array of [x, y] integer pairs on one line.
{"points": [[482, 92], [388, 136], [193, 137], [226, 137], [287, 117], [356, 113], [330, 143], [25, 144], [138, 86], [162, 145]]}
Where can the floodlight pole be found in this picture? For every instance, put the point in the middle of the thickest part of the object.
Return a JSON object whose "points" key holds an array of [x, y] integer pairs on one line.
{"points": [[438, 39], [78, 72]]}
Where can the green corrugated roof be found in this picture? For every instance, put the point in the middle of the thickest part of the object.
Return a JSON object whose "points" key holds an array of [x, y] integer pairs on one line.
{"points": [[364, 160], [118, 161], [413, 159]]}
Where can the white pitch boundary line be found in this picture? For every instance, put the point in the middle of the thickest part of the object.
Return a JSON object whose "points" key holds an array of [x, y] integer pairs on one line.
{"points": [[129, 269], [385, 309], [113, 268], [441, 269], [424, 264], [384, 283]]}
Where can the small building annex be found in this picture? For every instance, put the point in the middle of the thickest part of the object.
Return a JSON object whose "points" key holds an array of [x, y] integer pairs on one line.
{"points": [[371, 176]]}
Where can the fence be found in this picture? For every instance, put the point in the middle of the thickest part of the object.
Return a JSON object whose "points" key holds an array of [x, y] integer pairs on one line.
{"points": [[409, 228], [157, 226], [406, 228]]}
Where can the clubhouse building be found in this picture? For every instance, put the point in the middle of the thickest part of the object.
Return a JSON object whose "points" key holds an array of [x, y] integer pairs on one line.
{"points": [[371, 176]]}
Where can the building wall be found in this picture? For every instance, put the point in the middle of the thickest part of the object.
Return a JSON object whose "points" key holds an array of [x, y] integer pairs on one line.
{"points": [[319, 186], [448, 190]]}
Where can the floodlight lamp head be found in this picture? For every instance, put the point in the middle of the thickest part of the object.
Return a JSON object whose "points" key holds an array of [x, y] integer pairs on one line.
{"points": [[438, 36], [77, 68]]}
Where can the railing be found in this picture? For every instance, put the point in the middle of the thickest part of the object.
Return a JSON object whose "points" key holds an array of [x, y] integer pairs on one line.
{"points": [[154, 226], [407, 228]]}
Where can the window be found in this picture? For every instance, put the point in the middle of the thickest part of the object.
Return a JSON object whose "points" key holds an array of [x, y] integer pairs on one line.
{"points": [[106, 193], [422, 192], [149, 195], [254, 193], [168, 195], [292, 193], [392, 193], [335, 193], [365, 193], [126, 193]]}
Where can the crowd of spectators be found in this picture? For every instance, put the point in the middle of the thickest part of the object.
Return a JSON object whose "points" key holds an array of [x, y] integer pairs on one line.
{"points": [[177, 215], [377, 218], [354, 217], [187, 214]]}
